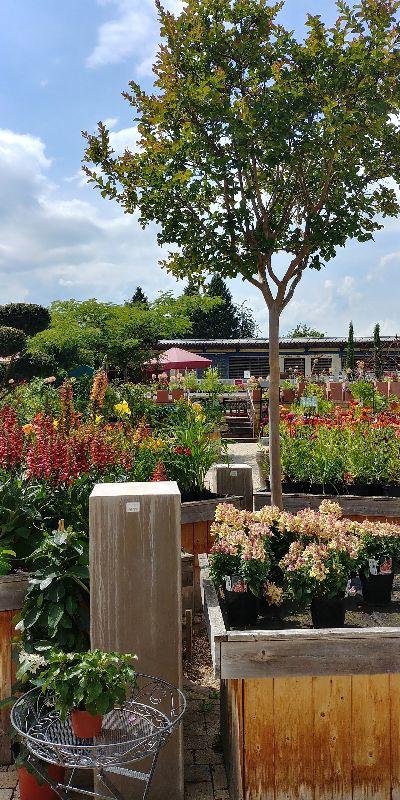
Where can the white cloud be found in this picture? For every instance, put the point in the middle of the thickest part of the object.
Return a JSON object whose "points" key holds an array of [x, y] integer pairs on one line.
{"points": [[57, 244], [132, 32], [124, 139]]}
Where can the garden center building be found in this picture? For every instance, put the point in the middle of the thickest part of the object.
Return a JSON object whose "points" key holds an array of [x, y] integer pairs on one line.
{"points": [[236, 358]]}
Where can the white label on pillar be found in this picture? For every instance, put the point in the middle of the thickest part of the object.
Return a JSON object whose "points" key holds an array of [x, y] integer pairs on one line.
{"points": [[132, 508], [233, 473]]}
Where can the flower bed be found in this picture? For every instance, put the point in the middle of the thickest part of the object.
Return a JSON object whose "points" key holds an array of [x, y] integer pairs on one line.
{"points": [[353, 452]]}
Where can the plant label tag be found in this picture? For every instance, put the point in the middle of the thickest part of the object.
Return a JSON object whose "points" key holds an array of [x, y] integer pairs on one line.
{"points": [[386, 566], [132, 508], [228, 583], [373, 566], [233, 473]]}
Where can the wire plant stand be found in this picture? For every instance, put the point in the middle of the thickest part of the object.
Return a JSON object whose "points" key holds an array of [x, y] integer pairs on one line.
{"points": [[134, 732]]}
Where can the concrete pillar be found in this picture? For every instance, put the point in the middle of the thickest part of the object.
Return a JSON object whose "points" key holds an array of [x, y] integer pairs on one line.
{"points": [[233, 479], [307, 366], [135, 580]]}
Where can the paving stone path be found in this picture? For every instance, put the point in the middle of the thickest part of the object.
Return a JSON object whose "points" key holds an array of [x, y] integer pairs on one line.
{"points": [[205, 776]]}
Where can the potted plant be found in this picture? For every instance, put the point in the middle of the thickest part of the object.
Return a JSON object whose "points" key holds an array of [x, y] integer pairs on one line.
{"points": [[32, 783], [240, 562], [317, 573], [379, 556], [87, 686]]}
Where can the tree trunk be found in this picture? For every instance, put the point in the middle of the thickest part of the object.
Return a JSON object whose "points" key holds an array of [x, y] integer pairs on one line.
{"points": [[274, 378]]}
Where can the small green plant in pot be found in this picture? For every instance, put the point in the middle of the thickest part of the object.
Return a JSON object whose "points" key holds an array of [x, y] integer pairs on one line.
{"points": [[88, 686], [378, 560]]}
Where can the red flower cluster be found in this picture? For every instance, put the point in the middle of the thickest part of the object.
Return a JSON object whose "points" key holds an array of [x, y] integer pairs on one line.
{"points": [[11, 439], [182, 451]]}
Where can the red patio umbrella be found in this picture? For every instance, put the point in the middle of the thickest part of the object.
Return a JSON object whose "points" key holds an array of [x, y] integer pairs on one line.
{"points": [[176, 358]]}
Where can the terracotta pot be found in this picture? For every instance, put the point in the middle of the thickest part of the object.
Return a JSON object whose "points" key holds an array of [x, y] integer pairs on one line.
{"points": [[288, 395], [335, 392], [162, 396], [85, 725], [177, 394], [394, 388], [31, 789], [382, 387]]}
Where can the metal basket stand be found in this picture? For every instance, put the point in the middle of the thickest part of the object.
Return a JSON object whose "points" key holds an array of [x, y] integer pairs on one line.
{"points": [[134, 732]]}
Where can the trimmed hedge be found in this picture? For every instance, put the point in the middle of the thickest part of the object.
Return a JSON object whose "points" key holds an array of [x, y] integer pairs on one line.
{"points": [[27, 317], [12, 341]]}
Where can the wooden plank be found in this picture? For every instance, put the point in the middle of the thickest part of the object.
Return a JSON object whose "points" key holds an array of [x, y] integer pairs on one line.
{"points": [[12, 591], [258, 729], [232, 736], [315, 634], [394, 681], [214, 621], [187, 532], [210, 537], [6, 630], [370, 736], [372, 507], [332, 738], [199, 546], [310, 657], [293, 721], [203, 510]]}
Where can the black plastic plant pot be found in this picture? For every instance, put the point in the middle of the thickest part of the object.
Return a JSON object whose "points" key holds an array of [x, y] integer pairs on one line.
{"points": [[241, 608], [377, 589], [328, 612]]}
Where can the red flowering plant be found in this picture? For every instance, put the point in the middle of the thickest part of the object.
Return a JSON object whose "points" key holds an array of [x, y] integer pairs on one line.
{"points": [[241, 558]]}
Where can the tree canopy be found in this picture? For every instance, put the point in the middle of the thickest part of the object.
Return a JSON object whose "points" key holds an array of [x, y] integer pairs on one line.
{"points": [[89, 332], [226, 319], [304, 331]]}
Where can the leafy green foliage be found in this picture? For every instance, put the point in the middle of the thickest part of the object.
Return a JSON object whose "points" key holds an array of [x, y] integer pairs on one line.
{"points": [[304, 331], [5, 561], [56, 607], [12, 341], [91, 681], [90, 332], [256, 143], [225, 320], [27, 317]]}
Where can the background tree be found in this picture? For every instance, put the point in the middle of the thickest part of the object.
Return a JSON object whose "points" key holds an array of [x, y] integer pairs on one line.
{"points": [[138, 297], [255, 144], [378, 354], [90, 332], [225, 319], [304, 331], [18, 321], [350, 354]]}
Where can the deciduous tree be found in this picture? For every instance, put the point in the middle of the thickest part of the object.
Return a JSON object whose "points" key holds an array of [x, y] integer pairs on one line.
{"points": [[255, 144]]}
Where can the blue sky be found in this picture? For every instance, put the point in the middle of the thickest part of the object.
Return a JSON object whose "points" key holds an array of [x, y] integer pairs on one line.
{"points": [[63, 67]]}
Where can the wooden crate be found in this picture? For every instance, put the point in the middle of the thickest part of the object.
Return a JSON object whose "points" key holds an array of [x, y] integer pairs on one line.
{"points": [[196, 520], [12, 593], [307, 714]]}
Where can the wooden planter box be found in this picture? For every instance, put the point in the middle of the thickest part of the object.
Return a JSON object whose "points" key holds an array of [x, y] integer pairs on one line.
{"points": [[307, 714], [196, 520], [355, 507], [382, 387], [12, 594]]}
